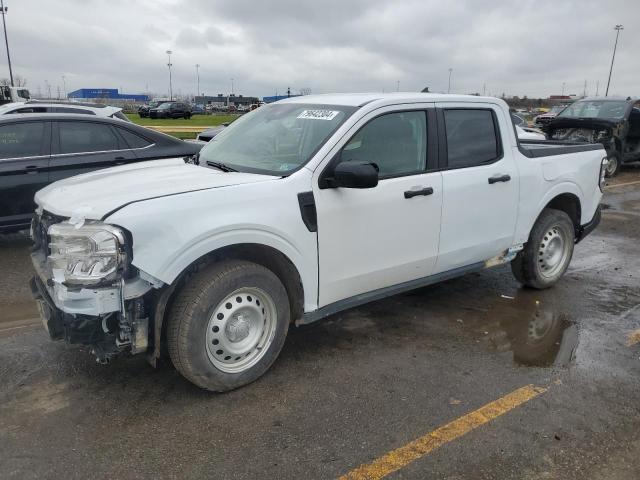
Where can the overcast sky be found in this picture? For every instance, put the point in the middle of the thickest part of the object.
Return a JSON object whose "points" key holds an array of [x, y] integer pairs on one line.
{"points": [[516, 47]]}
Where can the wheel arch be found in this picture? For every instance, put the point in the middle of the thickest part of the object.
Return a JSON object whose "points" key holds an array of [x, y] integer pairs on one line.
{"points": [[269, 257], [566, 197], [568, 203]]}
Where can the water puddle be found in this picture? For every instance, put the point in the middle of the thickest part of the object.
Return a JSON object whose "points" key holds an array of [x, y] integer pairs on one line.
{"points": [[530, 326]]}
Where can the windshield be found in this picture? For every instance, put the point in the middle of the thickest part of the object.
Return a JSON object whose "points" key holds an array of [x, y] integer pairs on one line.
{"points": [[153, 104], [275, 139], [557, 109], [164, 106], [595, 109]]}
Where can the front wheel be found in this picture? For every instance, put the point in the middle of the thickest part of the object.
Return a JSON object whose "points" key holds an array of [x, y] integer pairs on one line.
{"points": [[228, 325], [547, 254]]}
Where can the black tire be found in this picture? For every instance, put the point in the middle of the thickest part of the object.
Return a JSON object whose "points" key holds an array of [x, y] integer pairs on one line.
{"points": [[187, 116], [190, 314], [529, 265], [613, 168]]}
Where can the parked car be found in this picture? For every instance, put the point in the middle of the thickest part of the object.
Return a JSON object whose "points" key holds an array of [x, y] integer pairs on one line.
{"points": [[209, 133], [143, 111], [38, 106], [171, 110], [545, 118], [305, 208], [37, 149], [613, 122]]}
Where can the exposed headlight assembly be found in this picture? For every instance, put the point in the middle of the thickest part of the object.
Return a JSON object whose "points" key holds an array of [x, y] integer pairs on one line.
{"points": [[86, 255]]}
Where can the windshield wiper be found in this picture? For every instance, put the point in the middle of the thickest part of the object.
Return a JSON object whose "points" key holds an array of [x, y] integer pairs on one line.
{"points": [[221, 166]]}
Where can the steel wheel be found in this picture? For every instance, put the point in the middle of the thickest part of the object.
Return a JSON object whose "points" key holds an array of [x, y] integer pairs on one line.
{"points": [[240, 330], [553, 252]]}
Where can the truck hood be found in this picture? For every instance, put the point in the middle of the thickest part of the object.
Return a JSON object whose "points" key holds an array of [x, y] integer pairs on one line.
{"points": [[95, 194]]}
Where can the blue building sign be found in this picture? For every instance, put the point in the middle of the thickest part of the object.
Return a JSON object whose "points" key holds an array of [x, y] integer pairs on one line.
{"points": [[109, 93]]}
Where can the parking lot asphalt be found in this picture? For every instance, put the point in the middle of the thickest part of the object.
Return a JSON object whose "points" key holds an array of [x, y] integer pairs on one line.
{"points": [[474, 378]]}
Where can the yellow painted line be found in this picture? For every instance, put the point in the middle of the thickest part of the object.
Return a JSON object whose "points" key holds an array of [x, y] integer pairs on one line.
{"points": [[412, 451], [633, 338], [623, 184]]}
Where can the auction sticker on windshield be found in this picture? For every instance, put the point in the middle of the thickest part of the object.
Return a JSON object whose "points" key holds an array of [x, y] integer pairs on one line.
{"points": [[319, 114]]}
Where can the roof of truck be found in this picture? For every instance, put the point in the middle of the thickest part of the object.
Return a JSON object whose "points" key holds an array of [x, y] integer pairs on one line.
{"points": [[360, 99]]}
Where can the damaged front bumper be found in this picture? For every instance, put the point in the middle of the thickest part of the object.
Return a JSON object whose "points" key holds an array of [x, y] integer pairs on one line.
{"points": [[111, 319]]}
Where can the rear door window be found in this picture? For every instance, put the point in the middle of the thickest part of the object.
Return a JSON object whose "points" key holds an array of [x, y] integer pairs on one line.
{"points": [[77, 137], [472, 137], [21, 139]]}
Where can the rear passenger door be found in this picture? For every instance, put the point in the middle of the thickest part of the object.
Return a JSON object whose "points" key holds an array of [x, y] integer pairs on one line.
{"points": [[83, 146], [24, 159], [480, 184]]}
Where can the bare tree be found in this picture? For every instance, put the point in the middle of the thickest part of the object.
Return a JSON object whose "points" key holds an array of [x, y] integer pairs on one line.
{"points": [[18, 80]]}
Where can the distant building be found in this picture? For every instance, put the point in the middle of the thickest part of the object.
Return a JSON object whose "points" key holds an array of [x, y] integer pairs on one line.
{"points": [[107, 93], [221, 100], [275, 98]]}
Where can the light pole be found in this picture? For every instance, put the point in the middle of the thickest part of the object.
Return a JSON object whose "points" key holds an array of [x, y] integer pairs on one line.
{"points": [[198, 79], [169, 52], [449, 87], [563, 83], [64, 86], [617, 28], [4, 9], [232, 86]]}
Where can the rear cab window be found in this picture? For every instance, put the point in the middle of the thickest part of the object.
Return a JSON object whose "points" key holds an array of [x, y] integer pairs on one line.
{"points": [[472, 137]]}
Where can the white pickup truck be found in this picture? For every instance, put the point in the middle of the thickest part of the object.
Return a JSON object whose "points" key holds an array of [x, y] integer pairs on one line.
{"points": [[299, 210]]}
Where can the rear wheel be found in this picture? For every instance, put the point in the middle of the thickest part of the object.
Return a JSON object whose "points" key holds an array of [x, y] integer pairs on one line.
{"points": [[547, 254], [228, 325], [613, 165]]}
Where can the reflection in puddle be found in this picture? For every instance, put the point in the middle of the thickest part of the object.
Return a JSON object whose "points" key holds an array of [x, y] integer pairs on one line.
{"points": [[529, 325]]}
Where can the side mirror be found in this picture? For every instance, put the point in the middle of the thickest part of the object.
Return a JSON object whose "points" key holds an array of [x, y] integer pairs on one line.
{"points": [[355, 175]]}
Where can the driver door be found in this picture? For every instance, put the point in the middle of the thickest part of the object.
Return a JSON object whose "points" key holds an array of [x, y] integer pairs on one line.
{"points": [[373, 238]]}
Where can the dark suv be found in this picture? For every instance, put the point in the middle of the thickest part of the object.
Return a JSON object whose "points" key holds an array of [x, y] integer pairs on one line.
{"points": [[143, 111], [613, 122], [171, 110]]}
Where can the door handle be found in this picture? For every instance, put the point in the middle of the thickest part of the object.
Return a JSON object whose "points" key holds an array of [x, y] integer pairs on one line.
{"points": [[30, 169], [414, 193], [499, 178], [119, 160]]}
